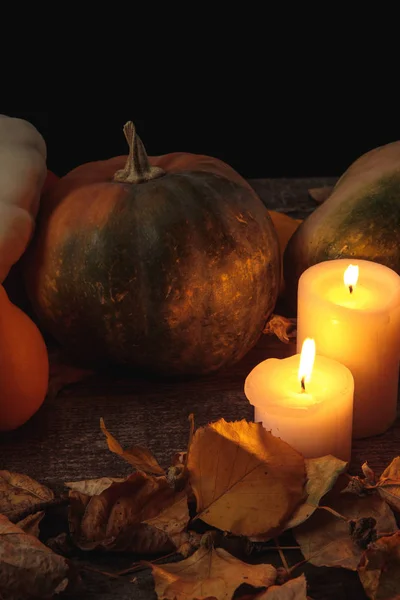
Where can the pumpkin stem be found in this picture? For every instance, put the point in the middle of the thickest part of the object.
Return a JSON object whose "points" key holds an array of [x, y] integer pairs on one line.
{"points": [[137, 168]]}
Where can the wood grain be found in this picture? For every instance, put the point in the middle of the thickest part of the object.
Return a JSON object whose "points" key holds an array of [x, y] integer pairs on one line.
{"points": [[63, 441]]}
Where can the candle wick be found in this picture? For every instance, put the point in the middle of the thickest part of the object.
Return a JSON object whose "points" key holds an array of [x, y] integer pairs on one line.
{"points": [[303, 384], [350, 289]]}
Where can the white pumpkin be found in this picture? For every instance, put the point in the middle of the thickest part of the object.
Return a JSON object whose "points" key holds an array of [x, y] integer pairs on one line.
{"points": [[23, 171]]}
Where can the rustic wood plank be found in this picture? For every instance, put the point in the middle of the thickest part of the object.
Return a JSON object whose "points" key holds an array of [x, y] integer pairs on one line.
{"points": [[63, 441]]}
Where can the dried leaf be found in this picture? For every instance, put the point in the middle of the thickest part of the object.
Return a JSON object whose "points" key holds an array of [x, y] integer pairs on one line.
{"points": [[139, 514], [31, 523], [379, 569], [27, 567], [295, 589], [285, 329], [140, 458], [388, 485], [93, 487], [325, 540], [18, 493], [322, 474], [363, 531], [208, 573], [245, 480]]}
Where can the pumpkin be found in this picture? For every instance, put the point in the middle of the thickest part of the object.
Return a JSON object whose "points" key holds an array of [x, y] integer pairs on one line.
{"points": [[360, 219], [22, 174], [24, 366], [169, 264]]}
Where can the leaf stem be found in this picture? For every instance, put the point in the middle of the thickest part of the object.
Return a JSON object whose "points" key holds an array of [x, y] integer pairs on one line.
{"points": [[333, 512], [282, 556]]}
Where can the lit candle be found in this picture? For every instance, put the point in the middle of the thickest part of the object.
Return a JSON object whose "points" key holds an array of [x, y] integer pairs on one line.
{"points": [[352, 310], [306, 400]]}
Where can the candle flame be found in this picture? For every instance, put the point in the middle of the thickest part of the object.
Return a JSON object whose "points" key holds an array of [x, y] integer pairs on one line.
{"points": [[351, 277], [307, 358]]}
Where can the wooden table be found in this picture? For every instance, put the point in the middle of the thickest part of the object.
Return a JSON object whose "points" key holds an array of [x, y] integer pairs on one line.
{"points": [[63, 442]]}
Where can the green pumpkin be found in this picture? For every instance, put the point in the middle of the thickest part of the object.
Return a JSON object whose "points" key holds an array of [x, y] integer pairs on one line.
{"points": [[360, 219], [169, 264]]}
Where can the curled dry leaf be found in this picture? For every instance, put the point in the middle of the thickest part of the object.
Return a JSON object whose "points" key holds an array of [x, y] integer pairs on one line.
{"points": [[27, 567], [245, 480], [31, 523], [93, 487], [139, 514], [322, 474], [140, 458], [379, 569], [285, 329], [294, 589], [325, 539], [19, 493], [208, 573], [387, 486]]}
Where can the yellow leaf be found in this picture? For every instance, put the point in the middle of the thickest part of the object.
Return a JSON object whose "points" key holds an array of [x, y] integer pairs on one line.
{"points": [[245, 480], [140, 458], [322, 474], [140, 514], [208, 573]]}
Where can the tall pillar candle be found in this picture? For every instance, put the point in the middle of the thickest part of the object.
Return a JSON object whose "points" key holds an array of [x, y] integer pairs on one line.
{"points": [[352, 310]]}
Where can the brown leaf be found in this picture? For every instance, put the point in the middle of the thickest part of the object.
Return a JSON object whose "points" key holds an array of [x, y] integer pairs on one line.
{"points": [[208, 573], [140, 458], [139, 514], [295, 589], [388, 485], [18, 493], [27, 567], [379, 569], [31, 523], [177, 474], [285, 329], [325, 540], [245, 480]]}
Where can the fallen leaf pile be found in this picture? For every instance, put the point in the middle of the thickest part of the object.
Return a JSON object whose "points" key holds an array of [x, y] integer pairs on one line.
{"points": [[235, 483]]}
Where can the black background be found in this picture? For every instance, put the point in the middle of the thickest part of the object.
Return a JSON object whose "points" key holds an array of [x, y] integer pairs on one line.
{"points": [[311, 139]]}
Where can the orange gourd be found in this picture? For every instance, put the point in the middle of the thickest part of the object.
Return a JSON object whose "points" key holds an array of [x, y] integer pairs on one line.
{"points": [[24, 366], [285, 227]]}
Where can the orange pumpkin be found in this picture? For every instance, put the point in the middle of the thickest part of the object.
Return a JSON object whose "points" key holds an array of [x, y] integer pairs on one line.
{"points": [[24, 366]]}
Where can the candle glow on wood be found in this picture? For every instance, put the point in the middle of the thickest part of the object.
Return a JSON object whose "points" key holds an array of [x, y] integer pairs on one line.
{"points": [[351, 308]]}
